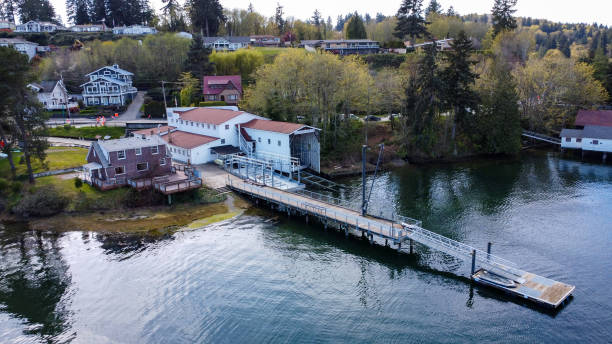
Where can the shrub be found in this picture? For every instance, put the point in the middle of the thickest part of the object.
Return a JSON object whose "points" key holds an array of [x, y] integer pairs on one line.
{"points": [[45, 201], [4, 184], [78, 183], [154, 109], [134, 198], [213, 103], [66, 126]]}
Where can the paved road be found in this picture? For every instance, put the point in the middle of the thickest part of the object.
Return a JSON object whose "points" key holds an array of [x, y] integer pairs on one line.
{"points": [[133, 110]]}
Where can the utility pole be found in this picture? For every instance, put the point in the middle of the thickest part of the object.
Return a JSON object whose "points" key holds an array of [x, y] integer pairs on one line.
{"points": [[363, 179], [64, 91], [164, 93]]}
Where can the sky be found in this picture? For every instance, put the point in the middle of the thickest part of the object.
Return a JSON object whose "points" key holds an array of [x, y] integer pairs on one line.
{"points": [[587, 11]]}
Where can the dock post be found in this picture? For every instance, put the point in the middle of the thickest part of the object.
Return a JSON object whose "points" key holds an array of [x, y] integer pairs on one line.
{"points": [[371, 238], [411, 246], [307, 218], [489, 250], [169, 199], [386, 242], [605, 156], [346, 232], [473, 261], [399, 246]]}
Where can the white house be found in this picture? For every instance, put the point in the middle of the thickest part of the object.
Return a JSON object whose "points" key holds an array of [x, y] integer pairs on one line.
{"points": [[202, 134], [571, 138], [35, 26], [597, 138], [134, 30], [88, 28], [53, 95], [231, 43], [21, 45], [6, 25], [109, 85]]}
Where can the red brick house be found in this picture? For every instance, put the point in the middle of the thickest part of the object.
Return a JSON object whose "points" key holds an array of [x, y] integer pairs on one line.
{"points": [[226, 88], [113, 163]]}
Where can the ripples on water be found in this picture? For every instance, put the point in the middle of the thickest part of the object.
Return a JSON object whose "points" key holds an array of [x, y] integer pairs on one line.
{"points": [[264, 278]]}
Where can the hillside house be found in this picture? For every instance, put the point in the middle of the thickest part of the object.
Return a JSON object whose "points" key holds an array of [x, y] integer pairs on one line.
{"points": [[21, 45], [227, 88], [593, 133], [134, 30], [109, 86], [113, 163], [88, 28], [343, 46], [35, 26], [53, 95], [231, 43], [7, 26], [202, 134], [441, 44], [265, 41]]}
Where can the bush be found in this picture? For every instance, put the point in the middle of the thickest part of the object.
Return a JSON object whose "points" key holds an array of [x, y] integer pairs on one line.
{"points": [[66, 126], [78, 183], [213, 103], [45, 201], [134, 198], [4, 184], [377, 61], [154, 109]]}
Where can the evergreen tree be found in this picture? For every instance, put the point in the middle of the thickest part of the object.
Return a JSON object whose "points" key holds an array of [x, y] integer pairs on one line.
{"points": [[458, 79], [98, 11], [207, 15], [368, 18], [410, 21], [8, 8], [172, 11], [451, 12], [77, 11], [502, 16], [317, 21], [380, 17], [278, 19], [197, 62], [434, 7], [355, 29], [40, 10]]}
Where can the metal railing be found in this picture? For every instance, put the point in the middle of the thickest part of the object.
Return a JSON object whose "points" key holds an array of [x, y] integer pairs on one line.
{"points": [[541, 137]]}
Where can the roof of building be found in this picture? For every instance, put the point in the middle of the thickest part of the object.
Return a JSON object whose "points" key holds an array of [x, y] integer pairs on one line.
{"points": [[154, 131], [231, 39], [236, 80], [16, 41], [130, 143], [577, 133], [594, 117], [597, 132], [208, 115], [187, 140], [274, 126], [114, 68]]}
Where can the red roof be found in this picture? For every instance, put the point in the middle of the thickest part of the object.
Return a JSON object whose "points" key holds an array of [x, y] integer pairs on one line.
{"points": [[594, 117], [221, 80], [278, 127], [209, 115], [154, 131], [187, 140]]}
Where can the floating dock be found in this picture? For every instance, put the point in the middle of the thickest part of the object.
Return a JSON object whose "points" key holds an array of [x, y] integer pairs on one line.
{"points": [[402, 231]]}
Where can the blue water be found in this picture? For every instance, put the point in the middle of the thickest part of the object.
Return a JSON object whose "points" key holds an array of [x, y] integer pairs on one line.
{"points": [[262, 277]]}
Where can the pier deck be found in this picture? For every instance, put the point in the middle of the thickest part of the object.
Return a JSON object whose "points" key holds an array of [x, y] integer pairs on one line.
{"points": [[544, 291]]}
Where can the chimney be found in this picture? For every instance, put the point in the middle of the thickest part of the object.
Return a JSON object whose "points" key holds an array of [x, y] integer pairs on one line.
{"points": [[169, 136]]}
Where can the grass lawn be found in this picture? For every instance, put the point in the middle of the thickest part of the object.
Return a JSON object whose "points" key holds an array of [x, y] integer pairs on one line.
{"points": [[86, 132], [270, 53], [57, 158], [64, 183]]}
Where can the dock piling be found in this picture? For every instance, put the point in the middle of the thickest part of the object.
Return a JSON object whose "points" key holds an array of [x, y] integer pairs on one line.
{"points": [[411, 246], [473, 262]]}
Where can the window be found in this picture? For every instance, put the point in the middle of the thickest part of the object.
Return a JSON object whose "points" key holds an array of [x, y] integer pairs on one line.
{"points": [[143, 166], [215, 127], [227, 127], [222, 141], [269, 141], [568, 139], [154, 150], [138, 151], [208, 125], [119, 170], [192, 124], [162, 162], [259, 139], [595, 142], [121, 155], [279, 143], [578, 140]]}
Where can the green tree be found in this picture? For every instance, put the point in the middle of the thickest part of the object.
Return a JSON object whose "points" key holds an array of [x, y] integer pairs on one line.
{"points": [[197, 62], [8, 9], [78, 12], [172, 12], [458, 80], [502, 16], [410, 20], [97, 10], [355, 29], [206, 16], [317, 21], [434, 7], [243, 62], [278, 19], [189, 89], [36, 10]]}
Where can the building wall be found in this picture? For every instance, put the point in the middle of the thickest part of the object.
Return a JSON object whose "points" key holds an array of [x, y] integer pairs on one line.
{"points": [[573, 143], [132, 159], [198, 155], [602, 145], [262, 145]]}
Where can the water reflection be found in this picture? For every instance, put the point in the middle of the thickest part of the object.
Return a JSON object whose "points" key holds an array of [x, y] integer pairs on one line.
{"points": [[34, 281], [123, 246]]}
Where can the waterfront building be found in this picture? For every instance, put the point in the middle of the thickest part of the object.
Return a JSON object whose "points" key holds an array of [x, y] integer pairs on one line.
{"points": [[343, 46], [109, 85], [593, 132], [226, 88], [199, 135]]}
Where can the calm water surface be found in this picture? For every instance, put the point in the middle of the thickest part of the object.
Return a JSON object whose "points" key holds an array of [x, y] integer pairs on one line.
{"points": [[263, 278]]}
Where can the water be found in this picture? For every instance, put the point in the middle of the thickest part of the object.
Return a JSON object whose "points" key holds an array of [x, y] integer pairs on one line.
{"points": [[263, 278]]}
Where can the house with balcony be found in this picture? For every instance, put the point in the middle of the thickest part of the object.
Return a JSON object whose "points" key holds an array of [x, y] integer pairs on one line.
{"points": [[199, 135], [53, 95], [231, 43], [88, 28], [343, 46], [108, 86], [265, 41], [36, 26], [226, 88], [21, 45]]}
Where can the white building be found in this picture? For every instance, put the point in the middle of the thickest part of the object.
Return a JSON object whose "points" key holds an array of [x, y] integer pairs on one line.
{"points": [[231, 43], [201, 135], [35, 26], [21, 45], [108, 85], [134, 30], [6, 25], [88, 28], [571, 138], [53, 95]]}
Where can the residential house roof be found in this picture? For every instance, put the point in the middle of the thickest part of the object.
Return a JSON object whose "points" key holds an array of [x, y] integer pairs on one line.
{"points": [[577, 133], [48, 85], [324, 41], [187, 140], [594, 117], [209, 115], [274, 126], [114, 68], [221, 80], [116, 81], [130, 143], [597, 132], [154, 131], [231, 39], [16, 41]]}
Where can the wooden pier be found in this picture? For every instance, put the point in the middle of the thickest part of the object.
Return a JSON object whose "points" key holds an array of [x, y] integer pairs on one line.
{"points": [[404, 231]]}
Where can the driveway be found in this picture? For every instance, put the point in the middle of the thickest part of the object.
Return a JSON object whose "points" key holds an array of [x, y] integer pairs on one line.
{"points": [[133, 110]]}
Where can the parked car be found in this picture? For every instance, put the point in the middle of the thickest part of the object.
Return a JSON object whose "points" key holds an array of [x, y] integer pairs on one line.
{"points": [[372, 118]]}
